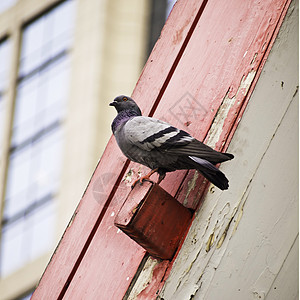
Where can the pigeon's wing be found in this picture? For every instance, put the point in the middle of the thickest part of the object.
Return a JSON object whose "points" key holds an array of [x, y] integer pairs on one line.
{"points": [[171, 149], [149, 133], [198, 149]]}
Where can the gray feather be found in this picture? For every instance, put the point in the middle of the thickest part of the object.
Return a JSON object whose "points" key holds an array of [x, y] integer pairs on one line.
{"points": [[158, 145]]}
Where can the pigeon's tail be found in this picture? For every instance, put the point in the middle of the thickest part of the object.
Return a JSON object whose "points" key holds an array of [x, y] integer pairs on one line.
{"points": [[209, 171]]}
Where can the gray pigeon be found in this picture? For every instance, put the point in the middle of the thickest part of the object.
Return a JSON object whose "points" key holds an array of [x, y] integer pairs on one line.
{"points": [[162, 147]]}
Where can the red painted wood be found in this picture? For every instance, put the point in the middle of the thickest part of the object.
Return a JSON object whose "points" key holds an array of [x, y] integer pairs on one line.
{"points": [[208, 80], [278, 13], [92, 207], [154, 219], [99, 261], [132, 203]]}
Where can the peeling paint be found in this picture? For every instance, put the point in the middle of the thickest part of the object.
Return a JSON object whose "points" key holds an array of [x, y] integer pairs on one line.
{"points": [[239, 217], [210, 242], [224, 234], [254, 58], [128, 176], [253, 260], [144, 278], [191, 186], [227, 103]]}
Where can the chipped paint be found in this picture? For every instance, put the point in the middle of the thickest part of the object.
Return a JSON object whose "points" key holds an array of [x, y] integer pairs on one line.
{"points": [[228, 102], [224, 234], [254, 58], [191, 187], [238, 219], [144, 278], [210, 242], [132, 175], [128, 176]]}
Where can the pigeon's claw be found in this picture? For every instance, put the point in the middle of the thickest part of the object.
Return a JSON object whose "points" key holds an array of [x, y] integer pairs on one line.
{"points": [[144, 178]]}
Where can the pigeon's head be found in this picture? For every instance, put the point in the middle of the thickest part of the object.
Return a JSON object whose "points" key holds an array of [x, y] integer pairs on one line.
{"points": [[122, 103]]}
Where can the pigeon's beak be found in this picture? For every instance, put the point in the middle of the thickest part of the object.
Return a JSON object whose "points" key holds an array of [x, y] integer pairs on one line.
{"points": [[112, 103]]}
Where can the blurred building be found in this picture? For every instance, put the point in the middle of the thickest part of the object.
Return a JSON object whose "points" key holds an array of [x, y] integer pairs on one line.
{"points": [[61, 63]]}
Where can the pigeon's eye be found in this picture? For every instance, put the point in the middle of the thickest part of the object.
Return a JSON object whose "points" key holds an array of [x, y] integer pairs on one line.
{"points": [[125, 99]]}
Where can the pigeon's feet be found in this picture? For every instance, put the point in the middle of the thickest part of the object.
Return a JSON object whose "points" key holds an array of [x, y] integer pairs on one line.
{"points": [[161, 177], [144, 178]]}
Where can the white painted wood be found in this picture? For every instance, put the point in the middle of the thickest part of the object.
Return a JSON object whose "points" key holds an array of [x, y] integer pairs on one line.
{"points": [[281, 286], [243, 242]]}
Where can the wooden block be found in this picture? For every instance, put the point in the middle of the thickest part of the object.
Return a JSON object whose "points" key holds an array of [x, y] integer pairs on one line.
{"points": [[154, 219]]}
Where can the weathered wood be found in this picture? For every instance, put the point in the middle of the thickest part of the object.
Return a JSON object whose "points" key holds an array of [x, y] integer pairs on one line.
{"points": [[203, 58], [190, 194], [109, 171], [154, 219], [243, 241]]}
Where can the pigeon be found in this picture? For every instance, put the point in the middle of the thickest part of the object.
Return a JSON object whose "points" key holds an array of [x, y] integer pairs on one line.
{"points": [[162, 147]]}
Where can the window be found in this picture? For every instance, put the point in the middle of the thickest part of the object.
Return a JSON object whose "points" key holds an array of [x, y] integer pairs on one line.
{"points": [[4, 68], [37, 137]]}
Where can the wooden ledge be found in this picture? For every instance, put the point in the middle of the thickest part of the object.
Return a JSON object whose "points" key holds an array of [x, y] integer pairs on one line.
{"points": [[154, 219]]}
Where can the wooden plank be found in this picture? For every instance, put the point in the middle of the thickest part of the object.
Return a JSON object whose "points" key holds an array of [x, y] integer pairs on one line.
{"points": [[154, 219], [281, 287], [269, 220], [190, 194], [110, 169], [254, 226], [191, 77], [219, 81]]}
